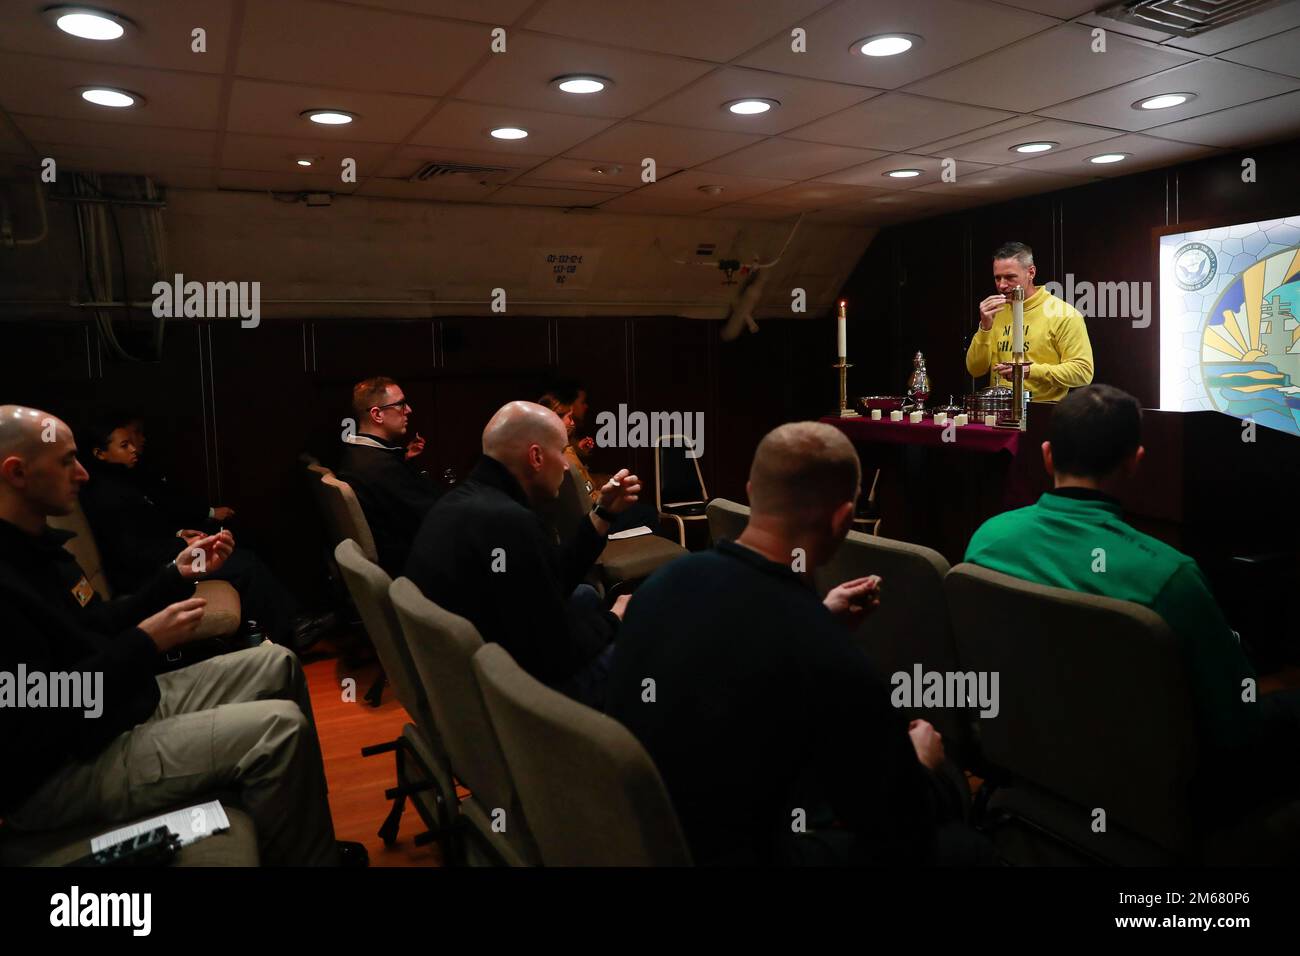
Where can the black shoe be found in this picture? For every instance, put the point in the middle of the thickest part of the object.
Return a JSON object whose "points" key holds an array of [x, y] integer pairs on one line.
{"points": [[308, 630], [352, 854]]}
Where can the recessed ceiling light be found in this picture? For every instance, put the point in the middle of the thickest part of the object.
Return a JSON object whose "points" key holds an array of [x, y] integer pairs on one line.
{"points": [[608, 169], [751, 107], [87, 22], [710, 190], [1164, 101], [509, 132], [886, 44], [329, 117], [304, 162], [1105, 158], [903, 173], [1034, 147], [584, 83], [118, 99]]}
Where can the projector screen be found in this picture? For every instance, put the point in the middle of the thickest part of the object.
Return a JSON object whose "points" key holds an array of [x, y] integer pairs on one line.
{"points": [[1230, 322]]}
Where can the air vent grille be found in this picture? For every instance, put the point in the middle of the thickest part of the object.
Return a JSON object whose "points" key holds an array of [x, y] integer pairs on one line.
{"points": [[1184, 18], [482, 174]]}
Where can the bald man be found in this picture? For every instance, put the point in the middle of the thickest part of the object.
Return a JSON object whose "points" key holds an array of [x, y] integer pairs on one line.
{"points": [[766, 717], [484, 553], [137, 744]]}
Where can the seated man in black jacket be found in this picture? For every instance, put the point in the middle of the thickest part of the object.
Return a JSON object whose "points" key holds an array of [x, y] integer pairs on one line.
{"points": [[184, 510], [136, 536], [762, 715], [240, 722], [483, 553], [379, 464]]}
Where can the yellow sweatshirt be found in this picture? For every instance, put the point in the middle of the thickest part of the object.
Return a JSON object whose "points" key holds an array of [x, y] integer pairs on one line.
{"points": [[1056, 340]]}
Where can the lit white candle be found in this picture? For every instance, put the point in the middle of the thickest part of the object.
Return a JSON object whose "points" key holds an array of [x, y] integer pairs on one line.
{"points": [[875, 414], [916, 417], [990, 420], [941, 418], [960, 420], [1017, 320], [843, 331], [895, 416]]}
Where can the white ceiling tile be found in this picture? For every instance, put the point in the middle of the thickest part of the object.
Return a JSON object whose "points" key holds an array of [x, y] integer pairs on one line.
{"points": [[288, 182], [744, 211], [1004, 182], [640, 201], [896, 121], [328, 44], [1147, 153], [275, 109], [1127, 29], [1261, 122], [494, 12], [443, 189], [717, 30], [1280, 53], [701, 104], [735, 188], [199, 144], [277, 154], [816, 195], [670, 146], [952, 31], [874, 174], [999, 149], [535, 196], [522, 77], [945, 145], [1061, 9], [159, 38], [1284, 16], [467, 126], [1049, 68], [790, 159], [583, 171], [41, 86], [1216, 85]]}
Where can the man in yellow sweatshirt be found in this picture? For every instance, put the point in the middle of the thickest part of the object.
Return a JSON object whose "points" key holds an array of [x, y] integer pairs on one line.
{"points": [[1056, 338]]}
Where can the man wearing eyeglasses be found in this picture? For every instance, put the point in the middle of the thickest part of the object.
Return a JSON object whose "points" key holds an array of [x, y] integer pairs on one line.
{"points": [[379, 462]]}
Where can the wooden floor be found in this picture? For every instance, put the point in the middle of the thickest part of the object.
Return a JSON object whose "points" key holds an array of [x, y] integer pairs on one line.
{"points": [[356, 783]]}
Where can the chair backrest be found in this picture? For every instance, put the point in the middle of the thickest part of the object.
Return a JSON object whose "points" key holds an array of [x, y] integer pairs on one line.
{"points": [[345, 517], [727, 519], [911, 626], [442, 645], [1095, 706], [368, 584], [678, 479], [84, 548], [591, 792]]}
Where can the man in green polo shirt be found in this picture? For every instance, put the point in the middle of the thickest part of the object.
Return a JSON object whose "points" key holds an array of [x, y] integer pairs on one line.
{"points": [[1075, 537]]}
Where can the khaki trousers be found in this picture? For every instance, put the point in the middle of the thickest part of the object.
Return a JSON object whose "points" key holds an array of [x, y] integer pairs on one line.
{"points": [[240, 722]]}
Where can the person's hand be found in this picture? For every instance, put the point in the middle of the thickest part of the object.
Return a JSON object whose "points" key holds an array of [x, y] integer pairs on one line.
{"points": [[189, 534], [851, 601], [927, 742], [989, 308], [414, 447], [620, 606], [222, 513], [586, 444], [620, 492], [215, 549], [1004, 369], [174, 624]]}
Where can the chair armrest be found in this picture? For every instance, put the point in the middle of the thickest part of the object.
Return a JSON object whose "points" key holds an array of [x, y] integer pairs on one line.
{"points": [[673, 525]]}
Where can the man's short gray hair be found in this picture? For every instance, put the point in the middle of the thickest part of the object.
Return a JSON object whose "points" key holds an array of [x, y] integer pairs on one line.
{"points": [[1014, 250]]}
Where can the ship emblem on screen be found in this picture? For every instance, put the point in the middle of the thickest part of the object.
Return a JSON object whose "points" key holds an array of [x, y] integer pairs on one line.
{"points": [[1250, 344], [1194, 266]]}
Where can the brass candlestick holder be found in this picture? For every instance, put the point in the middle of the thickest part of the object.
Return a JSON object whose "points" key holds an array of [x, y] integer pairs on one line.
{"points": [[1018, 417], [844, 365]]}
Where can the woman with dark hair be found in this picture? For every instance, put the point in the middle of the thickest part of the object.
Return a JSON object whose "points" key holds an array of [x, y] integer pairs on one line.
{"points": [[136, 537]]}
